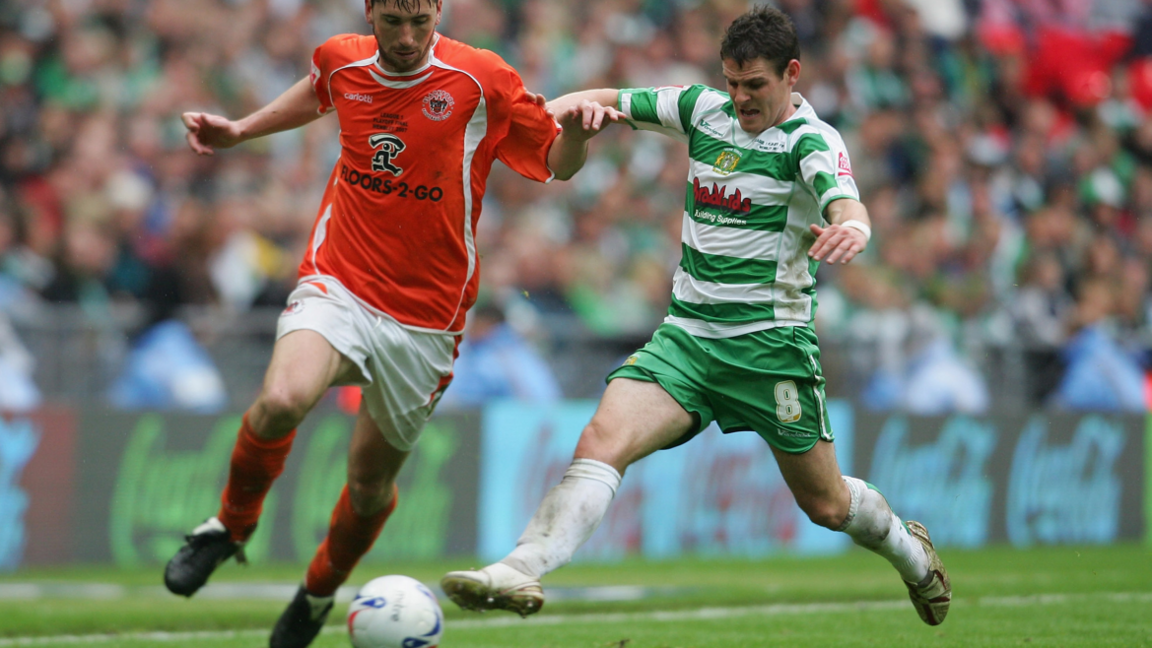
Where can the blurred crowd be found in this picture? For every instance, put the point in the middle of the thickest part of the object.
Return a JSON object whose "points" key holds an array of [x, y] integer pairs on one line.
{"points": [[1001, 147]]}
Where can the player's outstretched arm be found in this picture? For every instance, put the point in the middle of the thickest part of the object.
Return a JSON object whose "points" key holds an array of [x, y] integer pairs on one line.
{"points": [[296, 107], [607, 97], [580, 123], [846, 236]]}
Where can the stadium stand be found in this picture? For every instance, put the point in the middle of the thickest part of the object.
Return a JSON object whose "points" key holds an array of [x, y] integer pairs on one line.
{"points": [[1002, 148]]}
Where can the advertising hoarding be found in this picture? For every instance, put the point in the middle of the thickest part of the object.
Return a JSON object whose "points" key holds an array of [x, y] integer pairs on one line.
{"points": [[716, 495], [147, 479], [37, 473], [1027, 479], [102, 486]]}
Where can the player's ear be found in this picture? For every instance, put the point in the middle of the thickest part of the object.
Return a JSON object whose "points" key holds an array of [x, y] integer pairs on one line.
{"points": [[792, 72], [368, 10], [439, 10]]}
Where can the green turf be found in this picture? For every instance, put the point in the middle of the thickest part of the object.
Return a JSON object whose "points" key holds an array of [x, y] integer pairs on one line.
{"points": [[1083, 609]]}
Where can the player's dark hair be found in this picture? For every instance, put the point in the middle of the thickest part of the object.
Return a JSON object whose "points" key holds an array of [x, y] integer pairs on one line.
{"points": [[763, 32], [404, 5]]}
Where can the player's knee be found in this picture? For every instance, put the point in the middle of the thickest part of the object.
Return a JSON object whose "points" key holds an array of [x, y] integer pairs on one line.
{"points": [[368, 496], [281, 408], [598, 443], [824, 511]]}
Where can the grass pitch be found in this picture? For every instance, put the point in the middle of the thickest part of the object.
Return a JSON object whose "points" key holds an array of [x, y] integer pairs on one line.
{"points": [[1002, 597]]}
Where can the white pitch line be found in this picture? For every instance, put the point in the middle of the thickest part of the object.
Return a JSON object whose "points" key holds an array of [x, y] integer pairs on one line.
{"points": [[130, 636], [784, 609], [702, 614], [274, 592]]}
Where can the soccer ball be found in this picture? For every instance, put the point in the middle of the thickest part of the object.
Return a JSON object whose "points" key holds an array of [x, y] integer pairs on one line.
{"points": [[395, 612]]}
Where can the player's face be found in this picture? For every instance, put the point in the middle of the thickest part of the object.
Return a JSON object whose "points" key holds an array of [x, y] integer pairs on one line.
{"points": [[762, 97], [404, 31]]}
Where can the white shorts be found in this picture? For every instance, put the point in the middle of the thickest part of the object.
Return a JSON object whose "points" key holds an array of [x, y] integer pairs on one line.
{"points": [[403, 372]]}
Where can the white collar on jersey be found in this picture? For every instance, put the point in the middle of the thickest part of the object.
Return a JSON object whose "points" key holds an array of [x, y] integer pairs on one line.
{"points": [[428, 64], [803, 108]]}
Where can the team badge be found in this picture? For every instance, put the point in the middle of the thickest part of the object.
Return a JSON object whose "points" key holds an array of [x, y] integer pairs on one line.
{"points": [[294, 307], [727, 161], [631, 360], [438, 105], [845, 167], [390, 146]]}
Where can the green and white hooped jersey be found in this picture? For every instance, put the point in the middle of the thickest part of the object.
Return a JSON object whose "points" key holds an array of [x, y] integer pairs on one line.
{"points": [[750, 200]]}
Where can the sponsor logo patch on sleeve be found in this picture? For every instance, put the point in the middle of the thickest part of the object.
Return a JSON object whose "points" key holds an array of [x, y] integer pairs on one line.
{"points": [[845, 169]]}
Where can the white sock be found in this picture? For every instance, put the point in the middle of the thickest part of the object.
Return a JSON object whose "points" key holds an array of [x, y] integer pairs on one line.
{"points": [[566, 518], [872, 525]]}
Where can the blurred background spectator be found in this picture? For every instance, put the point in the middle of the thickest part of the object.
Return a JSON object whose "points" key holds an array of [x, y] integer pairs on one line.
{"points": [[1001, 146], [496, 362], [18, 391]]}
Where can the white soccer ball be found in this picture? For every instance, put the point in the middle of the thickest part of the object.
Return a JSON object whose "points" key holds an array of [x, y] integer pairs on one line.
{"points": [[395, 612]]}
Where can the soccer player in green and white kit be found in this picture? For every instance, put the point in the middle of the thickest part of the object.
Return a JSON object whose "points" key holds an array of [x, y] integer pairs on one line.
{"points": [[770, 194]]}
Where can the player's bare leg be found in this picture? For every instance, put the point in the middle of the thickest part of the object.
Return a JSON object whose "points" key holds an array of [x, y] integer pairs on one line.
{"points": [[303, 365], [634, 419], [855, 507], [365, 504]]}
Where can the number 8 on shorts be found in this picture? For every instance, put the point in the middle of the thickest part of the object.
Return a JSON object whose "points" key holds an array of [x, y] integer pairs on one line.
{"points": [[787, 402]]}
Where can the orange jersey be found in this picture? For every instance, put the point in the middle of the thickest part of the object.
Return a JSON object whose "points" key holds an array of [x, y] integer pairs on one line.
{"points": [[397, 224]]}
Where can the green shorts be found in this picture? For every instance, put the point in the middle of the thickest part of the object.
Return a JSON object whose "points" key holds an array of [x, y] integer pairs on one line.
{"points": [[769, 382]]}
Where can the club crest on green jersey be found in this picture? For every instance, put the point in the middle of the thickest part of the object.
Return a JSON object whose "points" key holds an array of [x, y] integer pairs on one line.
{"points": [[727, 161]]}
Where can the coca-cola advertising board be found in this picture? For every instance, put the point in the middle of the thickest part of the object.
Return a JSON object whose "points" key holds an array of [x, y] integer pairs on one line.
{"points": [[146, 479], [719, 494], [104, 486], [1030, 479]]}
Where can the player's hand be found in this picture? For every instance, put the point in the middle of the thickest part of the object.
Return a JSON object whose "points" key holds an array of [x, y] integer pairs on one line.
{"points": [[209, 132], [541, 101], [837, 243], [585, 120]]}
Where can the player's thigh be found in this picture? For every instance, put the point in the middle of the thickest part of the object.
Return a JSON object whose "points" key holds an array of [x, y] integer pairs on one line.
{"points": [[815, 481], [634, 419], [319, 342], [373, 464], [304, 364]]}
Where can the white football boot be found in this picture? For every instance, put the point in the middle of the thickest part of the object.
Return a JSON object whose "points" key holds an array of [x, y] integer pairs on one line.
{"points": [[496, 587], [932, 600]]}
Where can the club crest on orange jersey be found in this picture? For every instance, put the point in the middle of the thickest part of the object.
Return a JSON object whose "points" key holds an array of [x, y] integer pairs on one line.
{"points": [[438, 105]]}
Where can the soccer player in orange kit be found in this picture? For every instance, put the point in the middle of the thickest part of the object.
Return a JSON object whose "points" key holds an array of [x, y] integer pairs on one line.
{"points": [[390, 270]]}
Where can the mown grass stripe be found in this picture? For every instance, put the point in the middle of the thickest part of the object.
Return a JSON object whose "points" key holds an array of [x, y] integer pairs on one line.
{"points": [[664, 616]]}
